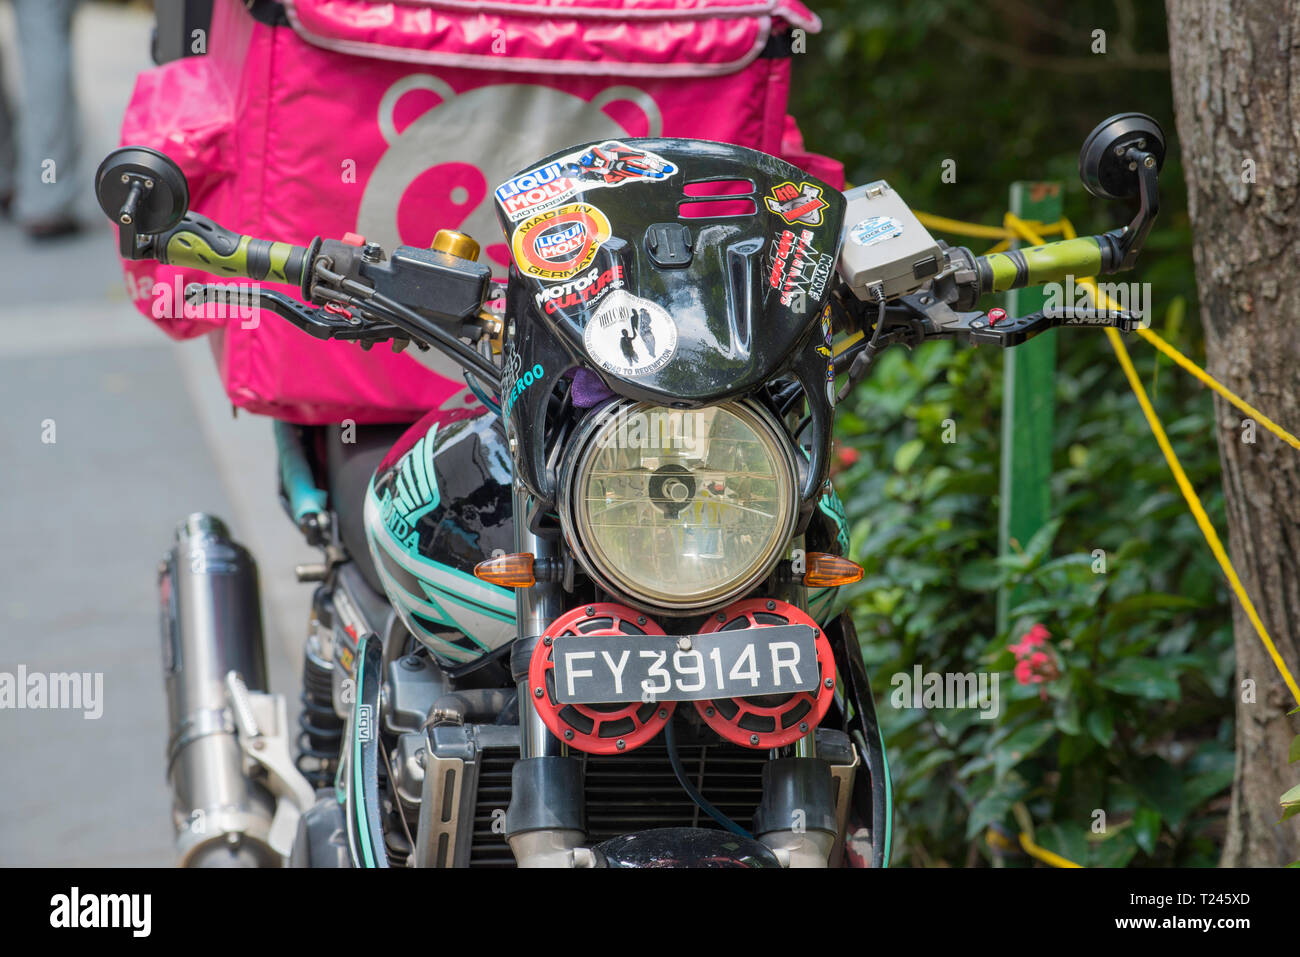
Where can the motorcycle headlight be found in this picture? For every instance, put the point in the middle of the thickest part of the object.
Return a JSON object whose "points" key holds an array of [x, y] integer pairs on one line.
{"points": [[679, 509]]}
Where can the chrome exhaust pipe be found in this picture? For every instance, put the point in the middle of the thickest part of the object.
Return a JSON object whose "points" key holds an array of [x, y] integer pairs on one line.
{"points": [[212, 626]]}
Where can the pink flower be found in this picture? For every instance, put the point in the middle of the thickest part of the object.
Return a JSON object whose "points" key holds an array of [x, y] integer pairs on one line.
{"points": [[1035, 666], [844, 457], [1030, 640]]}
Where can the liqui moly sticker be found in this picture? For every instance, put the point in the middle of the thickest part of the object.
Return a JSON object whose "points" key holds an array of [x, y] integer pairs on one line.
{"points": [[877, 229], [629, 336], [559, 243], [535, 190], [611, 163]]}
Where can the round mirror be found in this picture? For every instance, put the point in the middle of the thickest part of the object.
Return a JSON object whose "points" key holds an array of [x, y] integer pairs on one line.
{"points": [[159, 206], [1104, 167]]}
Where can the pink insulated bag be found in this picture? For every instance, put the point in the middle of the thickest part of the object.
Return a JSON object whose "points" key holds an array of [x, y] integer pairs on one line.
{"points": [[394, 120]]}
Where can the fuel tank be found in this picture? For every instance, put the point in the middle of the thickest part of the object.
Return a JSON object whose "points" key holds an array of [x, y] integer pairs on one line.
{"points": [[438, 504]]}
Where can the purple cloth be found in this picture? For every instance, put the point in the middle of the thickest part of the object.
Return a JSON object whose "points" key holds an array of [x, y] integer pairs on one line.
{"points": [[588, 390]]}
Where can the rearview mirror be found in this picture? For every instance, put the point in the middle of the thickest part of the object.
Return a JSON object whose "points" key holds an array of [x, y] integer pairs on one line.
{"points": [[1122, 157], [1114, 152], [142, 190]]}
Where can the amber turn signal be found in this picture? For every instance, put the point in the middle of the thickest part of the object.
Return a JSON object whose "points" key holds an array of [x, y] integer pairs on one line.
{"points": [[514, 571], [823, 570]]}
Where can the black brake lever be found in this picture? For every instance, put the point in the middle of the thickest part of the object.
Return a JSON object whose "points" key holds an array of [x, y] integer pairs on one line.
{"points": [[997, 328], [324, 323], [1010, 331]]}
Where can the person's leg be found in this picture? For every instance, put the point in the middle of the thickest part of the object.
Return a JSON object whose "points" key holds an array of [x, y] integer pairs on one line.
{"points": [[46, 180], [7, 158]]}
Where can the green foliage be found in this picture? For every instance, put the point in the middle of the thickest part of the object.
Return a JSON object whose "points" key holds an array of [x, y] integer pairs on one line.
{"points": [[1139, 722], [1290, 801]]}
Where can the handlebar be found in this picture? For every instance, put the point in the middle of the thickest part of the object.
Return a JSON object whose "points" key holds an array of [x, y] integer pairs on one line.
{"points": [[200, 243], [430, 297], [1051, 262]]}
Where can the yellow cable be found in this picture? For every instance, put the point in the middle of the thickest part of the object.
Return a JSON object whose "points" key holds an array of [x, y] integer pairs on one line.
{"points": [[1043, 854], [1026, 823], [1181, 360], [1198, 511], [962, 228], [845, 344], [946, 225], [1208, 380], [1180, 476], [1014, 226]]}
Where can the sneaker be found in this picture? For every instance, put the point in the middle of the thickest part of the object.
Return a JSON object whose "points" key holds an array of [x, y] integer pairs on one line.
{"points": [[53, 228]]}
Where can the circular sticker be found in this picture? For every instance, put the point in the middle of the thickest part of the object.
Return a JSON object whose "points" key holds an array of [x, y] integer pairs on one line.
{"points": [[877, 229], [630, 336], [559, 243]]}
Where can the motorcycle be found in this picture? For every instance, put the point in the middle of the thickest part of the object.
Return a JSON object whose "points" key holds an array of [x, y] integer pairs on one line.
{"points": [[588, 621]]}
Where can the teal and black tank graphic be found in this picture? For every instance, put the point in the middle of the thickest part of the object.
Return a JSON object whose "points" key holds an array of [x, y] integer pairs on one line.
{"points": [[439, 504]]}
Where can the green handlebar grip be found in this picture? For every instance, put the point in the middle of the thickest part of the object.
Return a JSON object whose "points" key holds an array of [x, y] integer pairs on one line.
{"points": [[199, 243], [1053, 262]]}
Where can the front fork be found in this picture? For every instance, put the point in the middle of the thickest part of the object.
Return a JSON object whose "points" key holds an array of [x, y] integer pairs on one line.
{"points": [[544, 822]]}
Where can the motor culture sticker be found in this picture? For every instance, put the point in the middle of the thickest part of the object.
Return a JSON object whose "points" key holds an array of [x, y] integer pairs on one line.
{"points": [[559, 243], [585, 289], [877, 229], [630, 336], [611, 163]]}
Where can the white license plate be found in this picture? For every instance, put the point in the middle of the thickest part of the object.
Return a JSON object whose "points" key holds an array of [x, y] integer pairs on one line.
{"points": [[780, 659]]}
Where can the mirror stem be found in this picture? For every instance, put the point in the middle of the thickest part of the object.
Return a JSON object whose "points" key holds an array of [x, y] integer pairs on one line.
{"points": [[127, 244], [126, 216], [1134, 235]]}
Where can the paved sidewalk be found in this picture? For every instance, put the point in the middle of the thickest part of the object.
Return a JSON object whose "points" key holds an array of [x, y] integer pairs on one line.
{"points": [[143, 436]]}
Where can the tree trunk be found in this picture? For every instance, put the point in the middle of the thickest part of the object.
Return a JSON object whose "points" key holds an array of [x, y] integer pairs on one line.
{"points": [[1236, 80]]}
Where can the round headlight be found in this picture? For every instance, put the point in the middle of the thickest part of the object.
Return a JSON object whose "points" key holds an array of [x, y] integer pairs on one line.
{"points": [[680, 509]]}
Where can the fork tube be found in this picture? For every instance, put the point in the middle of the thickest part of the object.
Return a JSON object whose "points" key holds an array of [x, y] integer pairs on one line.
{"points": [[535, 608], [545, 816], [806, 747]]}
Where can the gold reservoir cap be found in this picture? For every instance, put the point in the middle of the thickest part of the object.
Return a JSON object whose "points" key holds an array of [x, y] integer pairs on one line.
{"points": [[455, 244]]}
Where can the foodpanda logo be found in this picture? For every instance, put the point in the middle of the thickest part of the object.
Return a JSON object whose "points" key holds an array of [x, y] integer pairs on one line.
{"points": [[439, 169]]}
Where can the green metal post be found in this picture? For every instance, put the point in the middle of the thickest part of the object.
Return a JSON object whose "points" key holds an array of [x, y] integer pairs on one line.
{"points": [[1028, 407]]}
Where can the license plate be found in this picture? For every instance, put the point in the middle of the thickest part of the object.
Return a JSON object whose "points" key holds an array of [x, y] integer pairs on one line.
{"points": [[780, 659]]}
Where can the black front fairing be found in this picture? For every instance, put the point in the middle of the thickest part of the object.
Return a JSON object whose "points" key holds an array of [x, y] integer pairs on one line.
{"points": [[608, 275]]}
